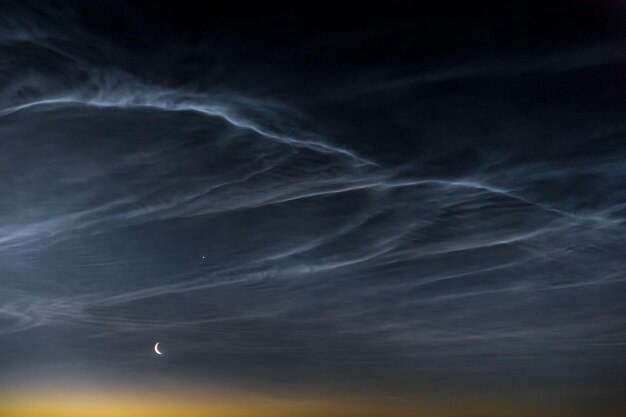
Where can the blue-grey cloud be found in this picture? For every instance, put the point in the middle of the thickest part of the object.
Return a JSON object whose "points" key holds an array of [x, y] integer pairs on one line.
{"points": [[380, 220]]}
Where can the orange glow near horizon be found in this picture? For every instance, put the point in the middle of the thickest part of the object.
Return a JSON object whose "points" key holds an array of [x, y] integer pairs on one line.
{"points": [[93, 403]]}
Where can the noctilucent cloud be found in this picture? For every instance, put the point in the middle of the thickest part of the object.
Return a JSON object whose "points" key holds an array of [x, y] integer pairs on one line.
{"points": [[388, 202]]}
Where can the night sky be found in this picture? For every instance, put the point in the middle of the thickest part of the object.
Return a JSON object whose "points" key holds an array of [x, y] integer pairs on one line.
{"points": [[420, 207]]}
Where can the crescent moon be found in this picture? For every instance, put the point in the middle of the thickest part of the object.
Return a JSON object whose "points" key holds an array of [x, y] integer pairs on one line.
{"points": [[156, 349]]}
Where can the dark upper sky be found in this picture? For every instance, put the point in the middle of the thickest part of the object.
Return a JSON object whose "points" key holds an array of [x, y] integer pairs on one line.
{"points": [[378, 198]]}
